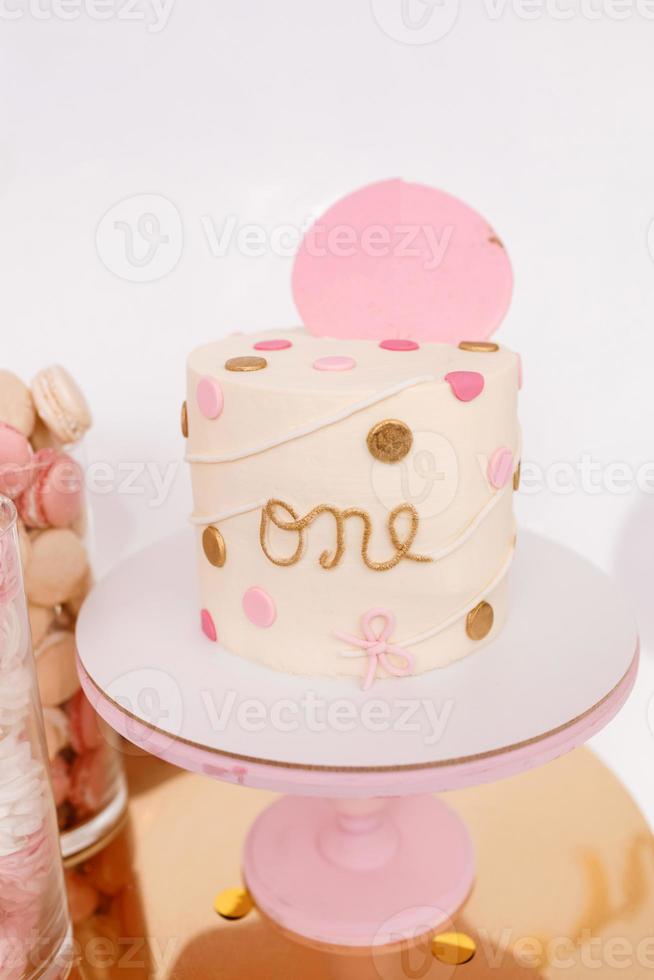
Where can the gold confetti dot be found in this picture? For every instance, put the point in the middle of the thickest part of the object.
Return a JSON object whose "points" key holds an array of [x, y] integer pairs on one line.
{"points": [[390, 441], [184, 420], [481, 346], [453, 948], [516, 477], [246, 363], [233, 903], [213, 545], [479, 622]]}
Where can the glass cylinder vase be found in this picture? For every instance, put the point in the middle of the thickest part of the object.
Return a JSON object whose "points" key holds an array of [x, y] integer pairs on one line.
{"points": [[35, 938]]}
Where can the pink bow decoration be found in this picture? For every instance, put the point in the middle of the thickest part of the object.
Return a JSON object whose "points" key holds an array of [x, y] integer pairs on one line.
{"points": [[376, 647]]}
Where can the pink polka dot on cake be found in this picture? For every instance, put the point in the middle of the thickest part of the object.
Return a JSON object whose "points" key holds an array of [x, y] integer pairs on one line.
{"points": [[466, 385], [399, 345], [209, 396], [334, 364], [500, 467], [259, 607], [208, 625], [273, 345]]}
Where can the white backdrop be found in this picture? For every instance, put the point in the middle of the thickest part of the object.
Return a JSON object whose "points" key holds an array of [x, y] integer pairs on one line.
{"points": [[213, 116]]}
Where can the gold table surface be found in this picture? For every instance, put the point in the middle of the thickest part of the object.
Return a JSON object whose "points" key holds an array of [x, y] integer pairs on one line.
{"points": [[565, 885]]}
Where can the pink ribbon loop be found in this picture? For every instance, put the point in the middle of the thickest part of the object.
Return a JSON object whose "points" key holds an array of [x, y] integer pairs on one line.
{"points": [[377, 648]]}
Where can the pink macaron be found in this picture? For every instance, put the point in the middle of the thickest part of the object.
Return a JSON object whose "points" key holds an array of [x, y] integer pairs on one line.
{"points": [[55, 496], [16, 471]]}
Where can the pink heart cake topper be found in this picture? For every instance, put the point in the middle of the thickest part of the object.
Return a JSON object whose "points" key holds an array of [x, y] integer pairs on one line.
{"points": [[400, 260]]}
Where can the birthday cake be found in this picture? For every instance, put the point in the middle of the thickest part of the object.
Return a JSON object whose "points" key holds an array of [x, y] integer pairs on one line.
{"points": [[353, 495]]}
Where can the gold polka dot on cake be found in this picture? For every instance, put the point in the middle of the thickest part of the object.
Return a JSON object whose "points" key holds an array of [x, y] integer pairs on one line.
{"points": [[213, 545], [184, 420], [247, 363], [480, 346], [479, 621], [516, 477], [390, 441]]}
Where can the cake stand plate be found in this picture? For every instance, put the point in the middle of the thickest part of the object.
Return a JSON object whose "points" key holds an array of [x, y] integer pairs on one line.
{"points": [[354, 872]]}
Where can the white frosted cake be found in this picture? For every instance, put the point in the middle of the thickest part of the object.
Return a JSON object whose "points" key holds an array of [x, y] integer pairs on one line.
{"points": [[353, 499]]}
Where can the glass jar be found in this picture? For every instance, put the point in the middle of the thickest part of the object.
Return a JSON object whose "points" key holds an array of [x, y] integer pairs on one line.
{"points": [[86, 766], [35, 937]]}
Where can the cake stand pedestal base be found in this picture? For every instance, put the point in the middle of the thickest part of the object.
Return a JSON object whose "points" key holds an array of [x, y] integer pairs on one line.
{"points": [[378, 883], [559, 895]]}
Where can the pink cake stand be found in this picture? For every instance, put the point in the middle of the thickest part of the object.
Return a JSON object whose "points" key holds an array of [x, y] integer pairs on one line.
{"points": [[358, 855]]}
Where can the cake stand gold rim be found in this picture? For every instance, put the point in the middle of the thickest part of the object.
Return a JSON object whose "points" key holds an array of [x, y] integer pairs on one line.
{"points": [[409, 767]]}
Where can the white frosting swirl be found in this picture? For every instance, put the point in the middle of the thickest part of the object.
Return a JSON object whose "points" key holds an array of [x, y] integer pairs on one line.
{"points": [[22, 788], [23, 778], [15, 693]]}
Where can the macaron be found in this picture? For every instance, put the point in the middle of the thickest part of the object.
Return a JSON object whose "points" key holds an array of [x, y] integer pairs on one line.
{"points": [[61, 404], [83, 899], [55, 496], [127, 908], [16, 472], [41, 619], [111, 869], [74, 604], [16, 405], [57, 732], [42, 438], [57, 567], [64, 619], [81, 523], [85, 731], [24, 544], [56, 669], [101, 940]]}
